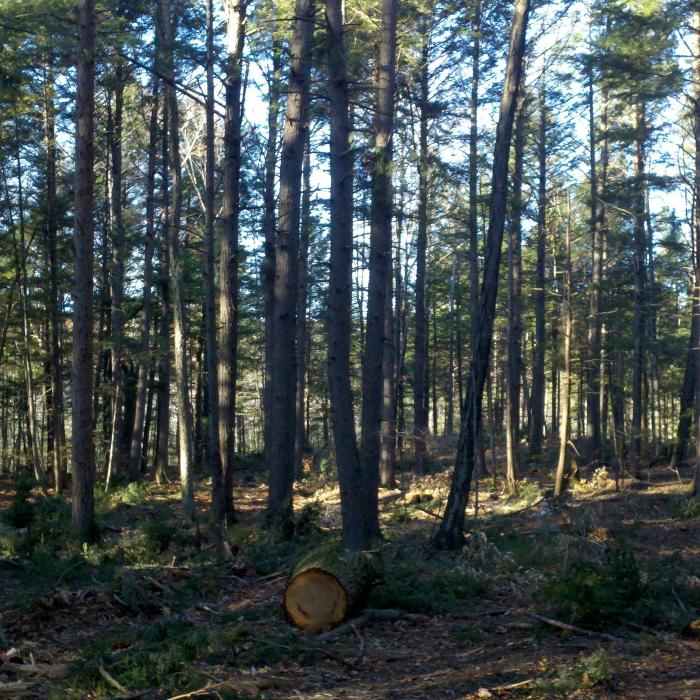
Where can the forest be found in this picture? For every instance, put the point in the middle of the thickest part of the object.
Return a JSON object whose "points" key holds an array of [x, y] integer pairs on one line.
{"points": [[349, 349]]}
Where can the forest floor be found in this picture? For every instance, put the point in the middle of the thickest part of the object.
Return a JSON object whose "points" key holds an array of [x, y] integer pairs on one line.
{"points": [[148, 613]]}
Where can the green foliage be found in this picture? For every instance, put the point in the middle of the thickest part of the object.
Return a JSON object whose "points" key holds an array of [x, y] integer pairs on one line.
{"points": [[155, 656], [529, 492], [689, 509], [135, 493], [596, 594], [425, 587], [595, 670], [10, 541], [21, 511]]}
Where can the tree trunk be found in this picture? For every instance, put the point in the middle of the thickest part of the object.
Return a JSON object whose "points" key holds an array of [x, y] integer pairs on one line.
{"points": [[228, 254], [269, 231], [114, 460], [379, 265], [420, 363], [449, 388], [283, 380], [449, 534], [184, 410], [538, 379], [83, 503], [593, 338], [57, 417], [302, 332], [213, 427], [340, 287], [514, 338], [137, 436], [328, 583], [639, 284], [696, 246], [163, 403], [568, 327]]}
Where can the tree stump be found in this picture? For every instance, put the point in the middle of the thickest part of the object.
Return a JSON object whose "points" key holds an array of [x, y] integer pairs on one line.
{"points": [[326, 585]]}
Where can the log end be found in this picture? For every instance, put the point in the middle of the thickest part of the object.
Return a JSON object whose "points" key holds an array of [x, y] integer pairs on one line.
{"points": [[315, 601]]}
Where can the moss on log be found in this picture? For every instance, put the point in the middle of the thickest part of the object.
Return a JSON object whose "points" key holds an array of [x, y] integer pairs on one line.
{"points": [[327, 584]]}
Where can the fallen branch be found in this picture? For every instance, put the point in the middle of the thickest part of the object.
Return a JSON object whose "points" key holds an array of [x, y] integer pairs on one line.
{"points": [[202, 691], [573, 629], [48, 670], [111, 679], [14, 690], [512, 686], [370, 615]]}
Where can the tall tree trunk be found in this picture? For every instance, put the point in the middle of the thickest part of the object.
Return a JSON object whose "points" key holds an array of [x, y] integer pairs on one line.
{"points": [[593, 337], [639, 285], [114, 460], [83, 503], [269, 230], [21, 255], [379, 265], [302, 302], [568, 327], [57, 417], [538, 379], [449, 534], [514, 338], [387, 454], [228, 254], [420, 363], [696, 246], [449, 388], [137, 436], [163, 403], [283, 384], [340, 286], [184, 410], [213, 452], [687, 397], [474, 210]]}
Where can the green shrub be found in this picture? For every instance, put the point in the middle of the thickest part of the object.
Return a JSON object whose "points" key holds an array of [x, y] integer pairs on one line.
{"points": [[597, 594], [425, 587], [20, 514], [591, 671], [689, 509]]}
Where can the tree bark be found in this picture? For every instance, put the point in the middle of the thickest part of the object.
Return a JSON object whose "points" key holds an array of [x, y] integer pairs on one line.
{"points": [[57, 404], [340, 286], [116, 278], [228, 253], [420, 363], [696, 237], [213, 452], [137, 436], [184, 410], [568, 326], [639, 291], [514, 338], [379, 265], [538, 379], [593, 432], [449, 534], [83, 503], [302, 328], [269, 230], [284, 307]]}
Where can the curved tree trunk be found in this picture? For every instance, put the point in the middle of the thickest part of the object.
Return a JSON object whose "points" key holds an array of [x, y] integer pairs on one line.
{"points": [[449, 534]]}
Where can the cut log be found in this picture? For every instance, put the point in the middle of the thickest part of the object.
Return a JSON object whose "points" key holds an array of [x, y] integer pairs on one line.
{"points": [[326, 585]]}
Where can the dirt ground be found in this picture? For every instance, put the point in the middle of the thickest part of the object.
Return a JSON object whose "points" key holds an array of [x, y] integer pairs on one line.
{"points": [[66, 635]]}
